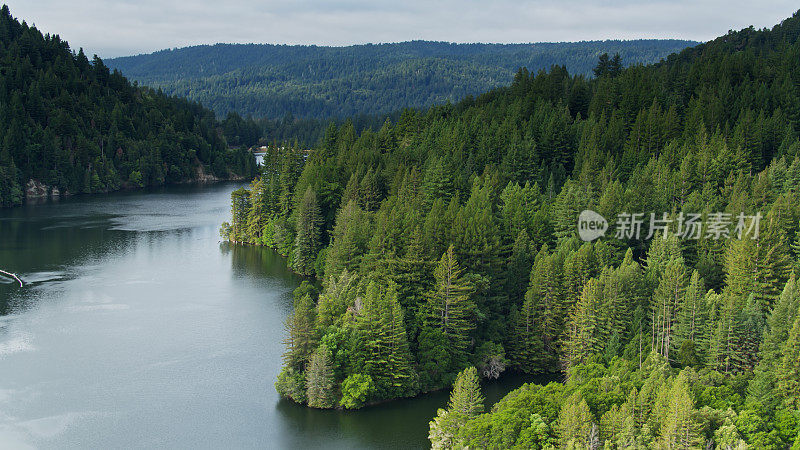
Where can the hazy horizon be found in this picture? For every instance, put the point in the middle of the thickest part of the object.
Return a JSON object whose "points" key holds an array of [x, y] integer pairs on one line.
{"points": [[127, 28]]}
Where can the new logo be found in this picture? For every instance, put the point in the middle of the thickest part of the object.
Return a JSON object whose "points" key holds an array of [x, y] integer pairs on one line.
{"points": [[591, 225]]}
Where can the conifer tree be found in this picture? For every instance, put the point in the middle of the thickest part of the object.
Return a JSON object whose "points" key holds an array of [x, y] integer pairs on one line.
{"points": [[776, 334], [307, 243], [678, 428], [583, 337], [692, 321], [466, 402], [240, 207], [320, 379], [541, 319], [302, 338], [348, 240], [449, 306], [789, 369], [758, 266], [579, 267], [519, 267], [666, 300], [388, 361], [575, 423]]}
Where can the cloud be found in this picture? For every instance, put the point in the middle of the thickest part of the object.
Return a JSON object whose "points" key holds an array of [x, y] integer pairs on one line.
{"points": [[123, 27]]}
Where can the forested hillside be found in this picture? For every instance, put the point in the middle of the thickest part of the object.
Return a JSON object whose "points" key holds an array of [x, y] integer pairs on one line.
{"points": [[75, 126], [326, 82], [449, 240]]}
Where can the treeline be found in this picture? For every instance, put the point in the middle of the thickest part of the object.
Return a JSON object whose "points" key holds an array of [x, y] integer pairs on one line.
{"points": [[337, 82], [74, 125], [448, 239]]}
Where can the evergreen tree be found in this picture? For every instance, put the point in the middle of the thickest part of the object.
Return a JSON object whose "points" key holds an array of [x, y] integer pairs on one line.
{"points": [[449, 307], [776, 334], [348, 241], [583, 334], [301, 331], [789, 370], [307, 242], [692, 322], [383, 334], [575, 423], [320, 379], [667, 297], [541, 318], [678, 428], [466, 402]]}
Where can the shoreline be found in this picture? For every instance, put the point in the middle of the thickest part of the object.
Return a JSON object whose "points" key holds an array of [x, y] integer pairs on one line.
{"points": [[44, 199]]}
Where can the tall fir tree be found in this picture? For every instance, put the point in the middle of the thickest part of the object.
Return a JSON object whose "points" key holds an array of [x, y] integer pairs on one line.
{"points": [[450, 308], [776, 334], [307, 243], [788, 382], [320, 388], [466, 402]]}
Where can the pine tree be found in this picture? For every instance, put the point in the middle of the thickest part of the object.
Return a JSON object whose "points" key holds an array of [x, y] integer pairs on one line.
{"points": [[466, 402], [789, 370], [692, 322], [779, 324], [583, 338], [575, 423], [307, 242], [449, 306], [678, 428], [666, 300], [320, 379], [382, 333], [302, 336], [541, 318]]}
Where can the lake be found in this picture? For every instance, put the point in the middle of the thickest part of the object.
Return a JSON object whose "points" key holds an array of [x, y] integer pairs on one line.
{"points": [[138, 328]]}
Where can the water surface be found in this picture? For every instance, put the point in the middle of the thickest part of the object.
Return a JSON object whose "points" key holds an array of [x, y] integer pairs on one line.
{"points": [[138, 328]]}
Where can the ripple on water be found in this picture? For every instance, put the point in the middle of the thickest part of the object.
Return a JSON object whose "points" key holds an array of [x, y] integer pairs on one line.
{"points": [[16, 344]]}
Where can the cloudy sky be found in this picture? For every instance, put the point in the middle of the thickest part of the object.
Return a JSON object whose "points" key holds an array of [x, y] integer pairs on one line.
{"points": [[123, 27]]}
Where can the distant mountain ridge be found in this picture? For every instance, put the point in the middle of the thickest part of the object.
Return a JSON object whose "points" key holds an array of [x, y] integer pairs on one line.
{"points": [[266, 80]]}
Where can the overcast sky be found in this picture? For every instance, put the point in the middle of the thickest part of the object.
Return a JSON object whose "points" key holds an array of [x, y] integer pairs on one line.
{"points": [[124, 27]]}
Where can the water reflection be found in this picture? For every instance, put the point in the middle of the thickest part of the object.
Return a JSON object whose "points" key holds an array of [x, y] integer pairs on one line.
{"points": [[140, 329]]}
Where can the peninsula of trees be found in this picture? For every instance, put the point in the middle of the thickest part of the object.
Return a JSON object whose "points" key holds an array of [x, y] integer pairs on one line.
{"points": [[448, 240], [74, 126]]}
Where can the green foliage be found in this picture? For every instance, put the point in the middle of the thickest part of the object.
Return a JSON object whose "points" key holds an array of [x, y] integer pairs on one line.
{"points": [[490, 360], [466, 402], [323, 82], [291, 384], [789, 369], [76, 126], [450, 310], [320, 379], [356, 390], [448, 236], [307, 242]]}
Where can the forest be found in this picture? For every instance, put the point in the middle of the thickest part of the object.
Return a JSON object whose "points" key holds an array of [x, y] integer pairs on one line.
{"points": [[443, 248], [317, 82], [77, 127]]}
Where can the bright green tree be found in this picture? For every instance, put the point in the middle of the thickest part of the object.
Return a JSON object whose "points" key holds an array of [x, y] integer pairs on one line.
{"points": [[320, 379], [466, 402], [449, 305]]}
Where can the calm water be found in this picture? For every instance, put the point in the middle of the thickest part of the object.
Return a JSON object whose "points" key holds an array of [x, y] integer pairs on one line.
{"points": [[138, 328]]}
